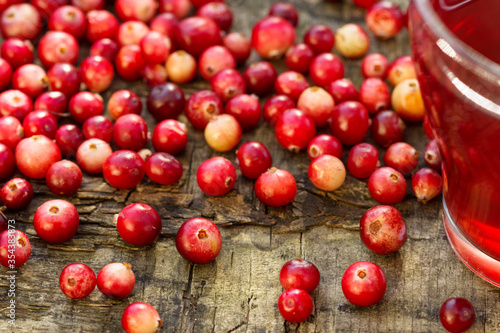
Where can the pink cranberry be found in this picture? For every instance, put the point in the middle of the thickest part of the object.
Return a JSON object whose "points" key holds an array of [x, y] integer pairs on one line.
{"points": [[69, 19], [22, 248], [53, 101], [64, 78], [56, 221], [166, 101], [432, 155], [363, 283], [324, 144], [7, 162], [77, 280], [131, 33], [138, 224], [457, 315], [428, 128], [375, 65], [402, 157], [130, 132], [402, 68], [96, 73], [163, 168], [215, 59], [220, 13], [216, 176], [17, 52], [223, 133], [343, 90], [116, 280], [30, 79], [135, 10], [198, 240], [92, 154], [320, 38], [326, 68], [181, 67], [84, 105], [426, 184], [299, 274], [165, 23], [15, 103], [272, 37], [387, 186], [294, 130], [11, 131], [275, 187], [153, 75], [374, 94], [40, 122], [155, 47], [98, 127], [260, 78], [196, 34], [68, 139], [124, 102], [275, 106], [179, 8], [253, 159], [124, 169], [170, 136], [129, 62], [5, 73], [362, 160], [291, 84], [384, 19], [106, 48], [199, 3], [387, 127], [64, 178], [35, 155], [21, 21], [239, 45], [56, 47], [101, 24], [352, 41], [327, 173], [89, 5], [298, 58], [246, 109], [16, 194], [295, 305], [140, 317], [317, 103], [350, 122], [227, 84], [285, 10]]}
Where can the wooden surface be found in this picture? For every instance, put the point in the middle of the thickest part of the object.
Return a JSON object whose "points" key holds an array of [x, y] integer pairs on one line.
{"points": [[238, 292]]}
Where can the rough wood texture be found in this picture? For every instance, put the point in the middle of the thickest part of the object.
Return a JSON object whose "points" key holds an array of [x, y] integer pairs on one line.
{"points": [[238, 292]]}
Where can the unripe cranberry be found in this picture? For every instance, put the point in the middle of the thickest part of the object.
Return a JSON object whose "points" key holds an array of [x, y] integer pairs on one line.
{"points": [[407, 101], [272, 37], [402, 157], [387, 186], [92, 154], [275, 187], [135, 10], [294, 130], [56, 221], [352, 41], [21, 21], [317, 103], [401, 69], [327, 173], [181, 67], [77, 280], [223, 133], [426, 184], [35, 155]]}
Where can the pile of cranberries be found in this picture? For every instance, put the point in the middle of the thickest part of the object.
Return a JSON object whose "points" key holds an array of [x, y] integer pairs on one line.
{"points": [[156, 42]]}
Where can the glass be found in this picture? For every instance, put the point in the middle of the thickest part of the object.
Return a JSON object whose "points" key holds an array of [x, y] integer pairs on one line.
{"points": [[455, 46]]}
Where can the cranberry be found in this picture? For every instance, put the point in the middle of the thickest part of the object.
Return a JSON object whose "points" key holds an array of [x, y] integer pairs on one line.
{"points": [[181, 67], [215, 59], [260, 78], [275, 107], [374, 94], [130, 132], [198, 240], [7, 162], [47, 7], [40, 122], [432, 155], [324, 144], [216, 176], [57, 47], [199, 3], [196, 34], [77, 280], [272, 37], [384, 19], [153, 75], [343, 90], [223, 133], [179, 8], [239, 45], [124, 102], [165, 101], [401, 69], [291, 84], [428, 128], [17, 52], [64, 78], [253, 159], [155, 47], [362, 160], [201, 107], [131, 33], [375, 65], [227, 84], [69, 19], [11, 132], [56, 221], [387, 186], [387, 127], [4, 4], [165, 23], [364, 3], [98, 127], [320, 38], [53, 101], [402, 157], [15, 103], [138, 224], [295, 305], [285, 10], [170, 136], [299, 57], [101, 24], [299, 274], [352, 41], [326, 68], [140, 317], [246, 109], [135, 10], [16, 194], [317, 103], [426, 184], [68, 139], [21, 21], [84, 105], [106, 48], [92, 154], [96, 73], [407, 101], [294, 130], [129, 62], [5, 73], [124, 169], [88, 5], [21, 250], [163, 168], [327, 172], [116, 280], [220, 13], [457, 315], [64, 178], [34, 156], [363, 283], [30, 79], [350, 122], [275, 187]]}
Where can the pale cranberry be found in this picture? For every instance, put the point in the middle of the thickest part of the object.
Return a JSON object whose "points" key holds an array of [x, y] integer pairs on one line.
{"points": [[181, 67], [16, 194], [92, 154], [124, 169], [4, 4], [53, 101], [387, 127], [153, 75], [291, 84], [295, 305], [219, 12], [215, 59], [402, 157], [68, 139], [196, 34], [253, 159], [384, 19], [387, 186], [426, 184], [216, 176], [327, 173], [170, 136], [143, 10], [89, 5], [350, 122], [155, 47], [246, 109], [352, 41], [317, 103], [260, 78], [15, 103], [374, 94], [163, 168], [407, 100], [402, 68], [116, 280], [227, 84], [84, 105], [124, 102], [101, 24], [96, 73], [239, 45], [40, 122], [275, 106], [285, 10], [5, 73], [375, 65], [35, 155], [30, 79], [64, 78], [320, 38], [11, 131], [106, 48], [131, 33], [77, 280], [198, 240], [166, 101], [56, 47], [21, 21], [362, 160], [272, 37], [140, 317], [56, 221], [69, 19], [130, 132], [179, 8], [17, 52], [298, 58], [324, 144], [138, 224], [343, 90], [21, 251], [7, 162], [275, 187], [364, 283], [98, 127], [223, 133], [165, 23], [294, 130]]}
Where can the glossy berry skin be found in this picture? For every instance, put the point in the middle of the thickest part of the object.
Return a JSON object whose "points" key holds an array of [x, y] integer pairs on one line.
{"points": [[17, 52], [198, 240], [320, 38], [457, 315], [387, 128], [352, 41], [166, 101], [383, 230], [68, 139], [295, 305], [246, 109], [131, 33], [324, 144], [291, 84], [407, 101], [56, 221], [350, 122], [64, 178], [374, 94], [65, 78], [141, 318], [138, 224], [196, 34], [30, 79], [294, 130], [84, 105], [223, 133], [69, 19], [34, 156], [123, 102], [275, 106], [239, 45], [101, 24], [130, 132], [40, 123], [129, 62], [285, 10], [227, 84], [57, 47], [106, 48], [272, 37], [201, 107], [116, 280], [215, 59], [253, 159], [374, 65], [298, 58], [22, 248], [181, 67], [299, 274], [96, 73], [170, 136], [53, 101], [7, 162], [153, 75], [362, 160], [220, 13], [163, 168], [426, 184], [16, 194], [432, 156], [402, 157], [259, 78], [155, 47], [402, 68], [92, 154], [98, 127], [343, 90], [11, 132], [124, 169], [15, 103], [317, 103], [21, 21], [364, 283], [387, 186], [384, 19], [216, 176], [326, 68], [134, 10], [77, 280], [275, 187], [327, 173]]}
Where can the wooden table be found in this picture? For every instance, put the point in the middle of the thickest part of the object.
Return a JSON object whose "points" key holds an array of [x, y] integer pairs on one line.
{"points": [[238, 292]]}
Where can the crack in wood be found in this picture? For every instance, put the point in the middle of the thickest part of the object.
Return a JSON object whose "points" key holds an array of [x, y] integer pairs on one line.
{"points": [[189, 306]]}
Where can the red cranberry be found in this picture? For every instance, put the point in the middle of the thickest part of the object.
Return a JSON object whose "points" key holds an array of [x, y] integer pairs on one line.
{"points": [[53, 101], [299, 57], [383, 230], [402, 157], [101, 24], [163, 168], [88, 5], [124, 102], [299, 274], [17, 52], [384, 19], [11, 131], [21, 21], [138, 224], [130, 132], [285, 10], [77, 280], [324, 144], [457, 315], [374, 94], [275, 187], [92, 154], [246, 109], [116, 280], [34, 156], [57, 47], [239, 45], [178, 8], [215, 59], [64, 78], [64, 178], [253, 159], [40, 122], [129, 62], [227, 84], [216, 176], [140, 317], [196, 34], [219, 12], [69, 19], [294, 130], [362, 160], [199, 3], [201, 107], [5, 73], [68, 139], [170, 136], [272, 37], [198, 240], [352, 41], [84, 105], [364, 3], [375, 65], [15, 103], [165, 101], [387, 127], [98, 127], [131, 33], [387, 186], [350, 122], [363, 283], [56, 221], [181, 67], [295, 305], [155, 47], [426, 184], [96, 73], [432, 156], [124, 169], [135, 10], [30, 79], [428, 128], [21, 250], [291, 84], [165, 23], [320, 38], [223, 133], [317, 103], [327, 173], [260, 78], [106, 48], [153, 75], [326, 68], [7, 162], [275, 106], [16, 194], [343, 90], [401, 69]]}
